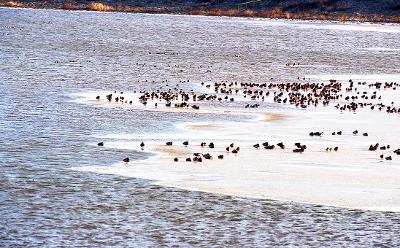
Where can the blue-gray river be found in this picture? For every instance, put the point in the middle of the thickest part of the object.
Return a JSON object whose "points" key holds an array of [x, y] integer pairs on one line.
{"points": [[47, 55]]}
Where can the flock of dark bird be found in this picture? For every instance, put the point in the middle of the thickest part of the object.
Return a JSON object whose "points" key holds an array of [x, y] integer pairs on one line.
{"points": [[298, 148], [299, 94]]}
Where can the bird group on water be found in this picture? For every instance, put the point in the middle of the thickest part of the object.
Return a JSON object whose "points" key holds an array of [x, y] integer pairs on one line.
{"points": [[300, 94], [298, 147]]}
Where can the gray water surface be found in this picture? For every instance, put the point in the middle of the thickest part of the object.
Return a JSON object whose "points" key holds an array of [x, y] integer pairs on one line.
{"points": [[47, 55]]}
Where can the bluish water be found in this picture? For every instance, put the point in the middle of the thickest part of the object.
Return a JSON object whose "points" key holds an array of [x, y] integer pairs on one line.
{"points": [[46, 55]]}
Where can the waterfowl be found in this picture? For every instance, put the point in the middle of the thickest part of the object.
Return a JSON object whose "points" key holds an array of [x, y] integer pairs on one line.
{"points": [[126, 160], [169, 143], [281, 145], [142, 144], [176, 159], [298, 150], [188, 160], [207, 156], [389, 158], [256, 145], [100, 144], [271, 147], [97, 97], [316, 133], [185, 143], [373, 147], [220, 156], [211, 145]]}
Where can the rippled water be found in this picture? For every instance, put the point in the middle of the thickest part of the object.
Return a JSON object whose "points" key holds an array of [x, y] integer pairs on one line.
{"points": [[47, 55]]}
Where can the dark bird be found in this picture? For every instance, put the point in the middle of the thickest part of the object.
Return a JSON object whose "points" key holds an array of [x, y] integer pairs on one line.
{"points": [[373, 147], [100, 144], [126, 160], [207, 156]]}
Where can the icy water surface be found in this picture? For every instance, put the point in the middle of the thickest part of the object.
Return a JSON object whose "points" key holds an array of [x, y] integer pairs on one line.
{"points": [[48, 55]]}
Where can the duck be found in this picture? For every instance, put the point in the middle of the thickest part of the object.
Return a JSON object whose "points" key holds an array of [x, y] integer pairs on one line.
{"points": [[298, 150], [281, 145], [169, 143], [207, 156], [185, 143], [100, 144], [126, 160], [373, 147], [271, 147]]}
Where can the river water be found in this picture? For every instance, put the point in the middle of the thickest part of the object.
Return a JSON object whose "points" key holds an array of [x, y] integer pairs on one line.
{"points": [[47, 56]]}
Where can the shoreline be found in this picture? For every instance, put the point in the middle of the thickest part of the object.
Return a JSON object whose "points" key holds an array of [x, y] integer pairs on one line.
{"points": [[359, 18]]}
